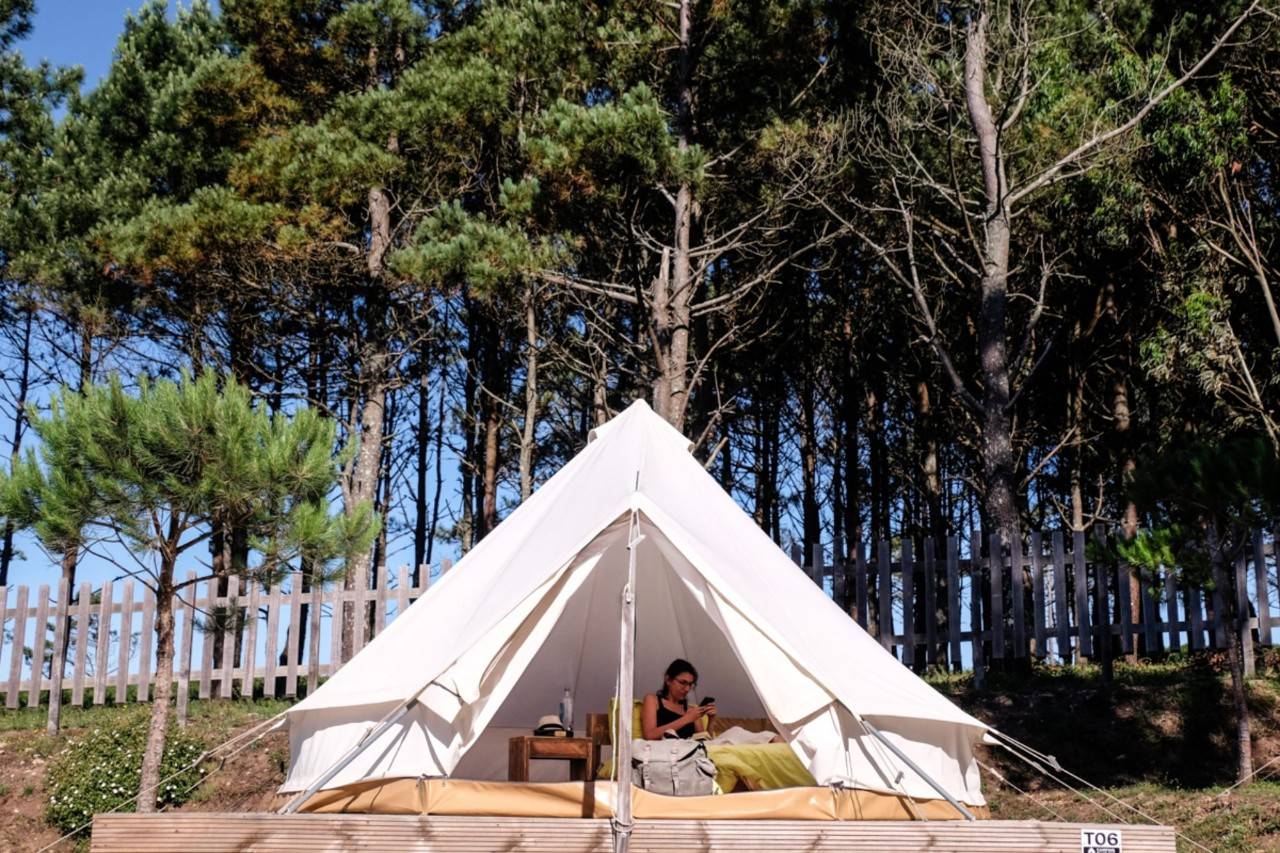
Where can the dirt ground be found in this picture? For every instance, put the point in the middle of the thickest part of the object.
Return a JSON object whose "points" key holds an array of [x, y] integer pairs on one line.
{"points": [[245, 782]]}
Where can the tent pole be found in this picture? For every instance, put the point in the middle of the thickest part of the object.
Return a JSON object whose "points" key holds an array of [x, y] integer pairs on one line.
{"points": [[626, 678], [968, 815], [350, 755]]}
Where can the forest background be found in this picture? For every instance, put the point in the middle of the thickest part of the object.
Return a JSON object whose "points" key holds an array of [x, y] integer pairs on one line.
{"points": [[896, 269]]}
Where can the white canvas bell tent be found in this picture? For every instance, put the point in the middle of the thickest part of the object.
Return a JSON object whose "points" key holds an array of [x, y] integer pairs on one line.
{"points": [[535, 608]]}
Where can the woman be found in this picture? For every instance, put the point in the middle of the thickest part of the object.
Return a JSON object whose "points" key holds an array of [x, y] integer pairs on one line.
{"points": [[667, 712]]}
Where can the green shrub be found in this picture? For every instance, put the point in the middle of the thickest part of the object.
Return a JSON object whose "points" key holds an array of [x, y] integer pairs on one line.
{"points": [[99, 770]]}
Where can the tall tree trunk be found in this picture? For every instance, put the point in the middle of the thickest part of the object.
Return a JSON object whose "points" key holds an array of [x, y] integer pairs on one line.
{"points": [[159, 728], [529, 432], [935, 524], [1122, 419], [997, 451], [879, 465], [759, 464], [362, 486], [422, 444], [467, 465], [811, 521], [850, 397], [439, 490], [19, 427], [1235, 624], [58, 664], [674, 286], [492, 389]]}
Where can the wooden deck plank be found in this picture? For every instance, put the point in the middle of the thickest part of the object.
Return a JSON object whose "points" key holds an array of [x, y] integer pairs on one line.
{"points": [[215, 833]]}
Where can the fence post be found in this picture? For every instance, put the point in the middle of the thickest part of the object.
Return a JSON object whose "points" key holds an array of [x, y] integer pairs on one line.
{"points": [[995, 566], [953, 601], [886, 596], [125, 640], [1018, 594], [83, 606], [15, 649], [334, 596], [206, 638], [930, 603], [380, 601], [860, 584], [145, 634], [188, 640], [61, 635], [975, 609], [1084, 635], [1242, 617], [402, 590], [249, 666], [1124, 571], [272, 643], [1038, 602], [908, 603], [104, 636], [37, 647], [1061, 615], [1262, 590], [1101, 605], [1171, 608], [1195, 618], [313, 635], [4, 616], [840, 574], [292, 648]]}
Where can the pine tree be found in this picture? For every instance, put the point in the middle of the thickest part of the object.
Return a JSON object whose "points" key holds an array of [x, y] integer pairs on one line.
{"points": [[158, 468]]}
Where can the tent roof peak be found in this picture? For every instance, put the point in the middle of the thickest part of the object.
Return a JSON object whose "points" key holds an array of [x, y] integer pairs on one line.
{"points": [[640, 414]]}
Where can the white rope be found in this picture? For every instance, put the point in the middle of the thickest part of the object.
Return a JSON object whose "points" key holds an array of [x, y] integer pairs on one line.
{"points": [[996, 773], [1013, 746], [207, 755], [1240, 782]]}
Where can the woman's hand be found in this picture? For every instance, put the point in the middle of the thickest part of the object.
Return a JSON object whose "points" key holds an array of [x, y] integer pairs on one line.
{"points": [[691, 716], [709, 710]]}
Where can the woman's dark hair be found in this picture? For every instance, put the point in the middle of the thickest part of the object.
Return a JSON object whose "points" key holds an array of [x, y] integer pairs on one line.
{"points": [[678, 667]]}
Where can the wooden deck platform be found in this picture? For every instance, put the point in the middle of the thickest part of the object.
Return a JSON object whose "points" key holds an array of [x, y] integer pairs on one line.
{"points": [[195, 832]]}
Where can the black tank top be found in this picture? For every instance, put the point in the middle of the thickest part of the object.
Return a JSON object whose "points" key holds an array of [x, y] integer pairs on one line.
{"points": [[667, 716]]}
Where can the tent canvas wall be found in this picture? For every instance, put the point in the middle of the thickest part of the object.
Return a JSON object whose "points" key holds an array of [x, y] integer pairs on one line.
{"points": [[535, 606]]}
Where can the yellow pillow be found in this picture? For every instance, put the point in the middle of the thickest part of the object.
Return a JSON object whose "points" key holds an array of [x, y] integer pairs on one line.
{"points": [[637, 728]]}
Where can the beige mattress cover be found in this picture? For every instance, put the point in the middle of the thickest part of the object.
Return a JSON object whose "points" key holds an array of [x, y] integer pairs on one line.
{"points": [[595, 799]]}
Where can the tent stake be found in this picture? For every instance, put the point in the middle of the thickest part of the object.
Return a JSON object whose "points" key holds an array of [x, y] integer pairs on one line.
{"points": [[968, 815], [370, 736]]}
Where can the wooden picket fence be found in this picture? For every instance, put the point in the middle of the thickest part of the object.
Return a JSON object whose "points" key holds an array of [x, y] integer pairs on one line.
{"points": [[109, 632], [1048, 602], [1052, 602]]}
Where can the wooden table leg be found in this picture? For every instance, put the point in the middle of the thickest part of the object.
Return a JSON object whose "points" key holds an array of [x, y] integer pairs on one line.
{"points": [[518, 759]]}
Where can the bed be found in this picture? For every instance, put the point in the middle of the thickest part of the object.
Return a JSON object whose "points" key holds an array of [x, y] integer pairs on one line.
{"points": [[739, 767]]}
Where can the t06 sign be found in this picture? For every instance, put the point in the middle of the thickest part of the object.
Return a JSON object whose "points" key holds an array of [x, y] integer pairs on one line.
{"points": [[1100, 841]]}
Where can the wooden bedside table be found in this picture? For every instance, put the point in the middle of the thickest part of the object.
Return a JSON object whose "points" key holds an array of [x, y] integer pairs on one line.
{"points": [[580, 752]]}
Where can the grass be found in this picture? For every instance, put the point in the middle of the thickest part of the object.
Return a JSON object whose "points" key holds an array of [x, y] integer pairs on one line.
{"points": [[208, 714], [1158, 736]]}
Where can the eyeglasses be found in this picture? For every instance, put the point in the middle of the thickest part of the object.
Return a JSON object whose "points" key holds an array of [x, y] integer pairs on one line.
{"points": [[685, 682]]}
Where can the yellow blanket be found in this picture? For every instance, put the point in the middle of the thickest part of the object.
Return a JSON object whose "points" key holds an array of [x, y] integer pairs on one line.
{"points": [[759, 767]]}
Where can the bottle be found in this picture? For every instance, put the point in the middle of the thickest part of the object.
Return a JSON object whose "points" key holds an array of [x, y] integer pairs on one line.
{"points": [[566, 710]]}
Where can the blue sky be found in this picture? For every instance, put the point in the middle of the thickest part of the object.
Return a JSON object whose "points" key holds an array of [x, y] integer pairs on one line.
{"points": [[79, 32]]}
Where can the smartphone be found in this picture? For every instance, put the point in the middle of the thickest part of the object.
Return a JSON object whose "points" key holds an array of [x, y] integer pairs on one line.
{"points": [[710, 700]]}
